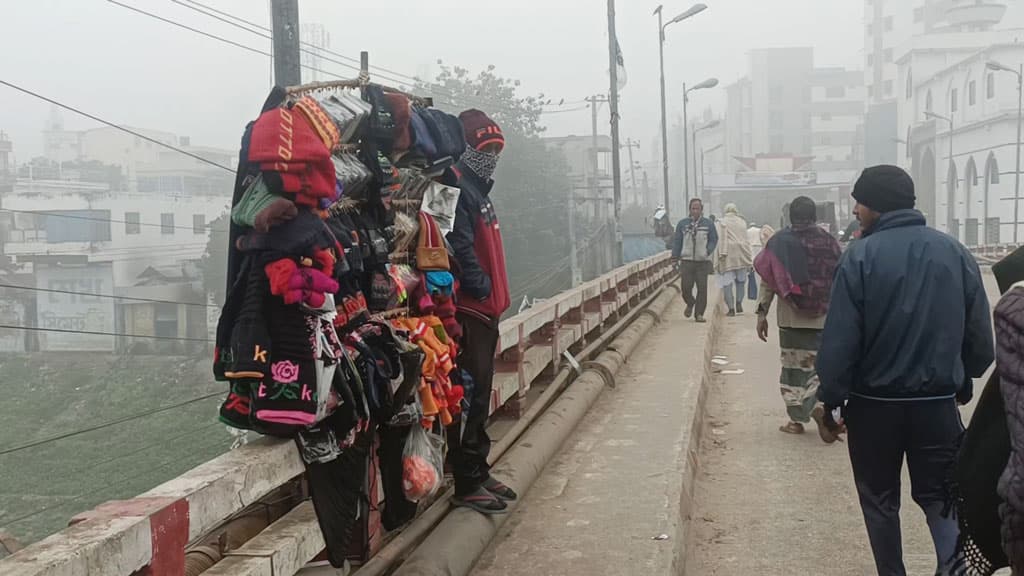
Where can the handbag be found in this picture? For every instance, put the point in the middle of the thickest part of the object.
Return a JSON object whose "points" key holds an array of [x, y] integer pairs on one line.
{"points": [[431, 253]]}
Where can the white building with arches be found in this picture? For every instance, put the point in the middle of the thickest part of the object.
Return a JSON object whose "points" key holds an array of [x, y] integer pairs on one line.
{"points": [[958, 130]]}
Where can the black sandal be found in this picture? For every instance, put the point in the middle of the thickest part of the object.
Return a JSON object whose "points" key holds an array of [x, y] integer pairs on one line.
{"points": [[503, 492], [482, 501]]}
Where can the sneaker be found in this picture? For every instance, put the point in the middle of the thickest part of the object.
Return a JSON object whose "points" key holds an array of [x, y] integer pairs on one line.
{"points": [[699, 319], [482, 501], [503, 492], [688, 312], [731, 313]]}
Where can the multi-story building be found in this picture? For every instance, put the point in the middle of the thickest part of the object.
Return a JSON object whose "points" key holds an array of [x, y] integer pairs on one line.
{"points": [[786, 106], [960, 122], [890, 25]]}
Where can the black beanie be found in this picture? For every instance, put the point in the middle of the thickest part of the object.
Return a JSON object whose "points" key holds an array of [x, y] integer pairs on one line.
{"points": [[884, 189]]}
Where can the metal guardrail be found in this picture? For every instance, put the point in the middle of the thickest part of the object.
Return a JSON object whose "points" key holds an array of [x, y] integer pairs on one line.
{"points": [[148, 535]]}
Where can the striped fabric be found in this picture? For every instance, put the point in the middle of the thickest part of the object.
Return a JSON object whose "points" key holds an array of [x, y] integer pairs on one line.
{"points": [[799, 381]]}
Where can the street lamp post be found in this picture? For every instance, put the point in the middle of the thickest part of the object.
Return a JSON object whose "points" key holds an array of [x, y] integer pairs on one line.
{"points": [[702, 153], [995, 66], [694, 10], [708, 126], [950, 208], [709, 83]]}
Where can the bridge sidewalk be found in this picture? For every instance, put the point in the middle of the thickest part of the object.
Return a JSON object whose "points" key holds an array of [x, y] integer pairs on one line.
{"points": [[618, 484]]}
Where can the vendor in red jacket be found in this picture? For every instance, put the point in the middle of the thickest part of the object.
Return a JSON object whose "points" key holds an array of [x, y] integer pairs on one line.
{"points": [[482, 298]]}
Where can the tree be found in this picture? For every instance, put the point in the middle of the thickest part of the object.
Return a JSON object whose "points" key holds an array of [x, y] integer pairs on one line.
{"points": [[532, 185], [214, 263]]}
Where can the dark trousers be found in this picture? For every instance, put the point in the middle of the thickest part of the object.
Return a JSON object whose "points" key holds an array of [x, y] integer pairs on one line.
{"points": [[880, 435], [468, 452], [695, 273]]}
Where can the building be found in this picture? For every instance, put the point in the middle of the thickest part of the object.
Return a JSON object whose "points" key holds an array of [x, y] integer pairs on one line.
{"points": [[105, 232], [786, 106], [837, 119], [889, 26], [960, 123]]}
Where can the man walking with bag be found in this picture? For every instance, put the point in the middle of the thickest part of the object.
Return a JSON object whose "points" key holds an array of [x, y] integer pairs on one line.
{"points": [[693, 246], [908, 328]]}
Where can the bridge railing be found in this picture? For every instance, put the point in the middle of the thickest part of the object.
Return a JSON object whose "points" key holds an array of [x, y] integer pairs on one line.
{"points": [[147, 535]]}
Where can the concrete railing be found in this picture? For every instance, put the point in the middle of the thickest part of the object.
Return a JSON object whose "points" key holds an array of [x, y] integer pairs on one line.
{"points": [[148, 535]]}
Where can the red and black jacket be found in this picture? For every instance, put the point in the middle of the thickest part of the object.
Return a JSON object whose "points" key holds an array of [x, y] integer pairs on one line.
{"points": [[476, 241]]}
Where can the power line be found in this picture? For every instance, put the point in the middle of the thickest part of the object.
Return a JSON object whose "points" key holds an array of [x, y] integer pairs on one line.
{"points": [[67, 501], [111, 296], [110, 220], [107, 424], [112, 125], [96, 333]]}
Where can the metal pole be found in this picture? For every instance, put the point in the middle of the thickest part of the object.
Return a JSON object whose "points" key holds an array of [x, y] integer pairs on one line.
{"points": [[686, 159], [284, 18], [664, 113], [613, 105], [1016, 184], [701, 191], [694, 154], [574, 262]]}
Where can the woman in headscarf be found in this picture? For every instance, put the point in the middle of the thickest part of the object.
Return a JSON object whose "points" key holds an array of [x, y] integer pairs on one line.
{"points": [[797, 265], [734, 258]]}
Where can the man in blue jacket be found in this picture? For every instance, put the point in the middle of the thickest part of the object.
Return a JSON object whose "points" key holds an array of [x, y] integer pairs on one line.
{"points": [[693, 247], [908, 328]]}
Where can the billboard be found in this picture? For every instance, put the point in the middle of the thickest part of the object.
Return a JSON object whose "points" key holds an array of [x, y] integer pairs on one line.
{"points": [[70, 316]]}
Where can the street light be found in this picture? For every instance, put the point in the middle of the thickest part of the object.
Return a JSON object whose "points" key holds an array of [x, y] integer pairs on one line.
{"points": [[693, 11], [708, 126], [709, 83], [997, 67], [702, 153], [949, 208]]}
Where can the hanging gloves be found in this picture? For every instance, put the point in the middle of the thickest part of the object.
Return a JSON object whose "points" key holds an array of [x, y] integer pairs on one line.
{"points": [[299, 284]]}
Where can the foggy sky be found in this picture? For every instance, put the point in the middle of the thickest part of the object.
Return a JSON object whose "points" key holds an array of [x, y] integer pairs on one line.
{"points": [[137, 71]]}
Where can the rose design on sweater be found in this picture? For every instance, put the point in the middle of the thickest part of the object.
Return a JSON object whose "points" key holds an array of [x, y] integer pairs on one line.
{"points": [[284, 371]]}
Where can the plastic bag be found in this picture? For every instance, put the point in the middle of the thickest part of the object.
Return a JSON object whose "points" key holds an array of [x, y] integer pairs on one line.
{"points": [[422, 464]]}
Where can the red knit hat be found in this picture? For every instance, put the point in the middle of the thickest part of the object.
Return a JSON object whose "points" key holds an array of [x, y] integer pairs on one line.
{"points": [[481, 130], [285, 139], [401, 112]]}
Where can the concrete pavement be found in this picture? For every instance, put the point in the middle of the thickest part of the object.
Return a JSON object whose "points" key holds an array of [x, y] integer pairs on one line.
{"points": [[601, 505]]}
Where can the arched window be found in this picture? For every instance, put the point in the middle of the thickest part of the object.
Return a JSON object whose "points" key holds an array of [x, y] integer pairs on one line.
{"points": [[992, 169]]}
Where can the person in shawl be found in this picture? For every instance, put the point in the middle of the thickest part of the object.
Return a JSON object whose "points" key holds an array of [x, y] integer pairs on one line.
{"points": [[797, 265], [734, 258]]}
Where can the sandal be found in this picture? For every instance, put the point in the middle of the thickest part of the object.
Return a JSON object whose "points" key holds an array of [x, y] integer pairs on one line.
{"points": [[827, 435], [792, 428], [482, 501], [503, 492]]}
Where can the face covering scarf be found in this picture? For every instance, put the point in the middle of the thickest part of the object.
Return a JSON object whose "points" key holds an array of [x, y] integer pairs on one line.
{"points": [[481, 163]]}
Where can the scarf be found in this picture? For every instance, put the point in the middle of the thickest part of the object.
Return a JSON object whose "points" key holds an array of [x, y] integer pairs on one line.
{"points": [[798, 264], [482, 164]]}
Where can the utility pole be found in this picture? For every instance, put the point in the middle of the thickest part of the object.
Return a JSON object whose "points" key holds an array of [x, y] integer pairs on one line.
{"points": [[601, 211], [630, 144], [574, 257], [613, 73], [284, 16]]}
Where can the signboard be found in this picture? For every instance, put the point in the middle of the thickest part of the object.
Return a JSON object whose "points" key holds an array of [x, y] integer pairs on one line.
{"points": [[776, 178], [63, 316]]}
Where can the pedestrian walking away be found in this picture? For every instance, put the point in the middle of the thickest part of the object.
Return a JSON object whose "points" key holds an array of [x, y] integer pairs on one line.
{"points": [[693, 246], [734, 258], [797, 266], [908, 328], [483, 297]]}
